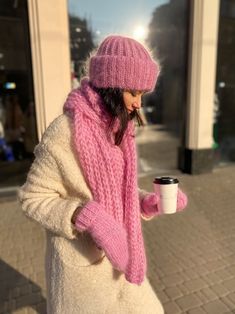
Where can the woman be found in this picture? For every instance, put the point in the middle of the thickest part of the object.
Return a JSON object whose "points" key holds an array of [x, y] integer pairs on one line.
{"points": [[82, 187]]}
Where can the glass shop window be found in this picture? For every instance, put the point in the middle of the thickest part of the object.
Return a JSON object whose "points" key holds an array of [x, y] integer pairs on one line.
{"points": [[224, 104], [163, 26], [17, 111]]}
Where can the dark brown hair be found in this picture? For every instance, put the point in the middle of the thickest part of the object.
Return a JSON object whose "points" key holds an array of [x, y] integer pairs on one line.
{"points": [[114, 104]]}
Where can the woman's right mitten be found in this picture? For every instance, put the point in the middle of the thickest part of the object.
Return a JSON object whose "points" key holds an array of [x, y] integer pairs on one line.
{"points": [[107, 233]]}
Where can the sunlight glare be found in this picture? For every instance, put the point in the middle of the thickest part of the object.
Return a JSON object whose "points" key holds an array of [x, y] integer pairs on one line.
{"points": [[140, 33]]}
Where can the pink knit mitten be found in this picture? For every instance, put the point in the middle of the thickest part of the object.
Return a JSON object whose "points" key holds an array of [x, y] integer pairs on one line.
{"points": [[182, 200], [150, 203], [106, 232]]}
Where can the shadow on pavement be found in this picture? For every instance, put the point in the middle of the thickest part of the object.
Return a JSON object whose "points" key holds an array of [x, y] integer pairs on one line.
{"points": [[17, 291]]}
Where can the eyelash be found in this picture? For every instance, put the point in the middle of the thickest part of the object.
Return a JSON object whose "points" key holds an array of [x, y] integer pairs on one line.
{"points": [[133, 93]]}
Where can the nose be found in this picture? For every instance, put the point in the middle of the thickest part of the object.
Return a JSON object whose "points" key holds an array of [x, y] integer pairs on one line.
{"points": [[137, 103]]}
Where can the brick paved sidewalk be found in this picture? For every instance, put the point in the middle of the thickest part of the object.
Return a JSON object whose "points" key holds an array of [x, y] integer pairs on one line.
{"points": [[22, 242], [191, 255]]}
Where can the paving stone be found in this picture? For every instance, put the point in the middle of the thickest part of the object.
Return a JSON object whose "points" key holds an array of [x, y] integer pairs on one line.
{"points": [[187, 262], [230, 284], [212, 255], [195, 284], [224, 274], [171, 308], [12, 305], [172, 280], [173, 292], [231, 269], [216, 264], [199, 260], [163, 296], [215, 307], [209, 293], [197, 311], [212, 278], [21, 311], [219, 289], [188, 302], [201, 296], [183, 288], [231, 296], [41, 308], [35, 288], [16, 292], [29, 299], [190, 273], [32, 311], [201, 270], [26, 289], [225, 254], [157, 285], [229, 300], [171, 268]]}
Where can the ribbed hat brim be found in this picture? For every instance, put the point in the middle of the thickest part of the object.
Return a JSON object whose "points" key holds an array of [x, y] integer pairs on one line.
{"points": [[123, 72]]}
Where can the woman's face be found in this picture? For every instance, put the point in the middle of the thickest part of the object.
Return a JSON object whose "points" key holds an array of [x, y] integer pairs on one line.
{"points": [[132, 99]]}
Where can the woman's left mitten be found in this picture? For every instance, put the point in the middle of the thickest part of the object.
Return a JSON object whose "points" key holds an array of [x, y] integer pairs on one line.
{"points": [[182, 200]]}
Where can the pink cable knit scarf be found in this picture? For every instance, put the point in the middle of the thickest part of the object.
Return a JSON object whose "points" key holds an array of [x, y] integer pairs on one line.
{"points": [[93, 146]]}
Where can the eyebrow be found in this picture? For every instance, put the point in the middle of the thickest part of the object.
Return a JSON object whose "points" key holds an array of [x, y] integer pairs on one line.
{"points": [[136, 91]]}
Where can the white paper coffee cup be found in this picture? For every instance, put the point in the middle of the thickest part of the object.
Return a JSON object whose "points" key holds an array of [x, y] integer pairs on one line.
{"points": [[166, 188]]}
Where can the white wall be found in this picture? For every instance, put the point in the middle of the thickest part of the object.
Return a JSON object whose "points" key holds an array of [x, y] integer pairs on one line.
{"points": [[49, 33], [202, 73]]}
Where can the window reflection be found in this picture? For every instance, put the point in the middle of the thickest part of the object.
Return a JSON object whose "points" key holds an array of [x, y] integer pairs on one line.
{"points": [[81, 43], [224, 108], [168, 31], [17, 111], [163, 26]]}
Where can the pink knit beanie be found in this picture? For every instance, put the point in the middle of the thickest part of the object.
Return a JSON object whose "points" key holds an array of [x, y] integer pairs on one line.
{"points": [[123, 62]]}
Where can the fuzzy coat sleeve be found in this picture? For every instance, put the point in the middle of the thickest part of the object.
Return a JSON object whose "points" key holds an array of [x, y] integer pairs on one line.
{"points": [[55, 186]]}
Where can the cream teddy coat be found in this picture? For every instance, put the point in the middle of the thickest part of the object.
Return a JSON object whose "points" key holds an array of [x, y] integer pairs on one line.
{"points": [[80, 278]]}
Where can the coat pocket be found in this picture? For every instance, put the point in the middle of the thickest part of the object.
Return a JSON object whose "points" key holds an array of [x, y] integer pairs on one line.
{"points": [[80, 252]]}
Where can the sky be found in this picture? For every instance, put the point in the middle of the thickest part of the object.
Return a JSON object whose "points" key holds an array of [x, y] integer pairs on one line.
{"points": [[126, 17]]}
